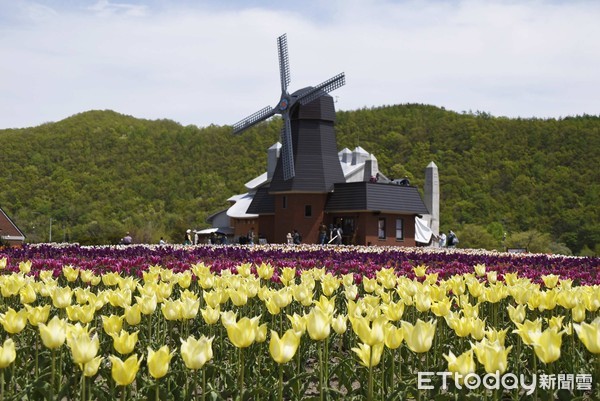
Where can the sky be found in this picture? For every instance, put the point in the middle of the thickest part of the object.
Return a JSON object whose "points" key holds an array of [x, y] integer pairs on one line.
{"points": [[215, 62]]}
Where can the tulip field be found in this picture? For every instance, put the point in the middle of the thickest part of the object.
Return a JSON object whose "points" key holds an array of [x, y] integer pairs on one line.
{"points": [[303, 322]]}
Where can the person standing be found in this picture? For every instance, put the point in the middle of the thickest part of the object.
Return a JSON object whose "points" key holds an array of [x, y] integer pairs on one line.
{"points": [[442, 240], [127, 240], [188, 237], [322, 234]]}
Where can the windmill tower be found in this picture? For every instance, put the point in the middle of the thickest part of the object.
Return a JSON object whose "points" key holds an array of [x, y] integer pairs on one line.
{"points": [[309, 161], [309, 164]]}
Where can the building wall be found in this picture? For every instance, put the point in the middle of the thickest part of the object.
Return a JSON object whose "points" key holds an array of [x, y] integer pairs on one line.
{"points": [[369, 229], [292, 216], [241, 227]]}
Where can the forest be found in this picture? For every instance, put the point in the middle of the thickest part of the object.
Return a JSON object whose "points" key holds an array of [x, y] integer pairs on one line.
{"points": [[505, 182]]}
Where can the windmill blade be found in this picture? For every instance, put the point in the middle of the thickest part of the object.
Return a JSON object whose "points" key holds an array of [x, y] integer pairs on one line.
{"points": [[287, 149], [330, 85], [284, 62], [253, 119]]}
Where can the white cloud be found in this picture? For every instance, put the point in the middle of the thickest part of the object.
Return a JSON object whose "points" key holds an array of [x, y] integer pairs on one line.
{"points": [[203, 64]]}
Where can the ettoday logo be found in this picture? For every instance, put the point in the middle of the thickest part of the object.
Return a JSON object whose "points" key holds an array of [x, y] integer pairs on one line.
{"points": [[508, 381]]}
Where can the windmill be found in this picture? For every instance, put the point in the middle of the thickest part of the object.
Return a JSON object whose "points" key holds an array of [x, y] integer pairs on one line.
{"points": [[287, 103]]}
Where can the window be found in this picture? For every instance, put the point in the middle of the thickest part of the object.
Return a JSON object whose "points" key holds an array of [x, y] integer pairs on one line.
{"points": [[308, 211], [284, 202], [381, 228], [399, 229]]}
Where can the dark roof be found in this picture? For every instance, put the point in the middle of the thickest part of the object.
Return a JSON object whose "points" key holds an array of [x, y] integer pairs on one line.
{"points": [[368, 196], [262, 203]]}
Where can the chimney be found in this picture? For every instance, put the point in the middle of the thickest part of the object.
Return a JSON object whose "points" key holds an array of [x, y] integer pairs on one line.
{"points": [[371, 168], [272, 156], [432, 197]]}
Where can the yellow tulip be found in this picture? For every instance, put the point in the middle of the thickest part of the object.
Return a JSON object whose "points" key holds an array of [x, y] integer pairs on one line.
{"points": [[476, 289], [283, 349], [496, 335], [298, 322], [393, 336], [351, 291], [189, 308], [12, 321], [3, 263], [517, 315], [133, 314], [147, 303], [547, 345], [27, 294], [329, 284], [119, 298], [184, 280], [420, 270], [210, 315], [422, 301], [348, 279], [578, 313], [303, 294], [110, 279], [369, 356], [61, 297], [242, 333], [550, 280], [339, 324], [529, 330], [589, 335], [556, 322], [370, 333], [461, 365], [477, 329], [419, 337], [369, 284], [393, 311], [441, 308], [261, 333], [265, 271], [387, 278], [83, 348], [54, 334], [461, 325], [83, 314], [318, 324], [38, 314], [158, 361], [25, 267], [288, 276], [327, 305], [86, 276], [212, 298], [91, 367], [46, 275], [71, 273], [238, 296], [123, 373], [7, 353], [124, 342], [112, 323], [196, 353], [492, 355]]}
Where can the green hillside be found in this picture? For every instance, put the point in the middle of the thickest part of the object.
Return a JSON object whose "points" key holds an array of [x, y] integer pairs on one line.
{"points": [[99, 174]]}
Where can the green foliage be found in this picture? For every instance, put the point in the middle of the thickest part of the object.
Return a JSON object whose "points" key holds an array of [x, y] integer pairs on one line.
{"points": [[99, 174]]}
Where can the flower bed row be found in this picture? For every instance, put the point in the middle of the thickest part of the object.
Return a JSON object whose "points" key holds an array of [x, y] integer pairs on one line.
{"points": [[263, 323]]}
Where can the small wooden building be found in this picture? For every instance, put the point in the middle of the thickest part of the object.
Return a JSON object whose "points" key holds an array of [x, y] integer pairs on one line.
{"points": [[10, 234]]}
